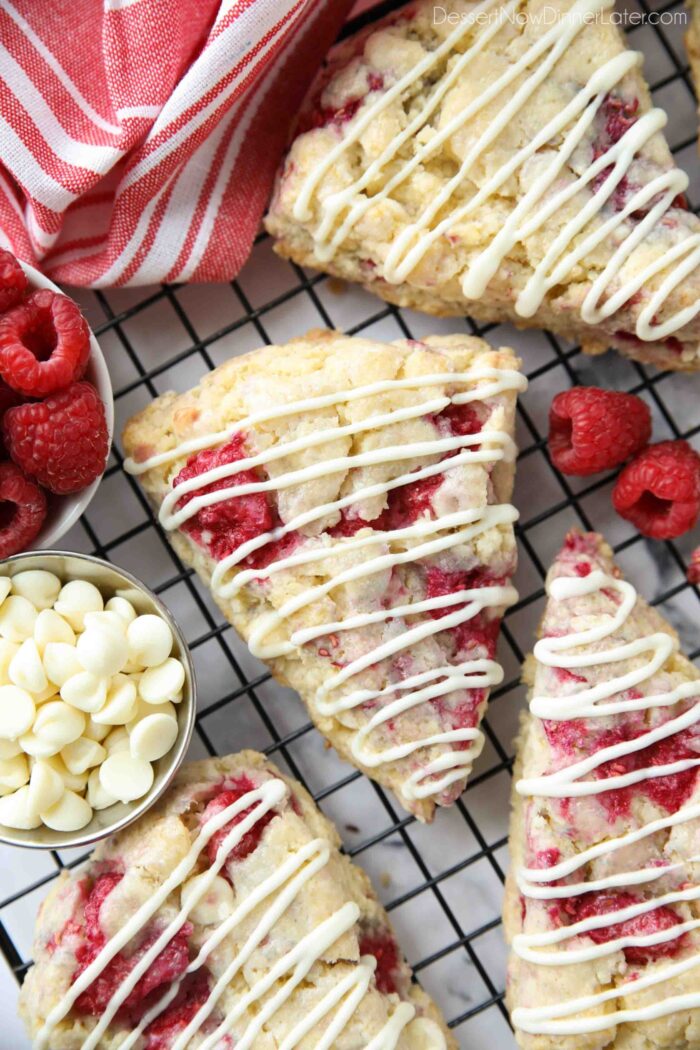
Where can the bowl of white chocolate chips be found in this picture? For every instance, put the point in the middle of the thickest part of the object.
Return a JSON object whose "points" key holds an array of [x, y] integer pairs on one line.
{"points": [[97, 699]]}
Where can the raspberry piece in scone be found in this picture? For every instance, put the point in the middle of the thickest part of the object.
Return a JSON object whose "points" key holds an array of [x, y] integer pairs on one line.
{"points": [[44, 344]]}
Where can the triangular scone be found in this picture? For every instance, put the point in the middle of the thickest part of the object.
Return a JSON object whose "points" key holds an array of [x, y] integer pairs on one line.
{"points": [[366, 551], [226, 917], [603, 899], [504, 161]]}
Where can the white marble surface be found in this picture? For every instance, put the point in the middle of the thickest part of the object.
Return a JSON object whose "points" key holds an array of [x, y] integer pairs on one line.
{"points": [[434, 919]]}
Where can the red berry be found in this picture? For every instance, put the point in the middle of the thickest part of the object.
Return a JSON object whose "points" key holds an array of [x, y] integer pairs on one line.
{"points": [[694, 567], [23, 509], [659, 491], [44, 344], [62, 441], [13, 281], [8, 399], [592, 430]]}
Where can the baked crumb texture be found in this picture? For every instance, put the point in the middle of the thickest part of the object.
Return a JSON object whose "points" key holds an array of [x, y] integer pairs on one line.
{"points": [[361, 541], [602, 909], [281, 941], [509, 166]]}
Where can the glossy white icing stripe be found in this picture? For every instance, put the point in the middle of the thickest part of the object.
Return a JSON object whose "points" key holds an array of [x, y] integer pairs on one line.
{"points": [[581, 649], [337, 212], [279, 891], [422, 539]]}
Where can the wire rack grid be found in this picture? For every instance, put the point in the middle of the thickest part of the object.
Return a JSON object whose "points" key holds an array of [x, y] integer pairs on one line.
{"points": [[441, 884]]}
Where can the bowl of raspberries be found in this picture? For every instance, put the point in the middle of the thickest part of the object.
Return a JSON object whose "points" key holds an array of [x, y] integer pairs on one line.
{"points": [[56, 410]]}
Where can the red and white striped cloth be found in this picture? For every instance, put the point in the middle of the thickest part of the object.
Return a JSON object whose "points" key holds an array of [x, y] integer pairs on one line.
{"points": [[139, 138]]}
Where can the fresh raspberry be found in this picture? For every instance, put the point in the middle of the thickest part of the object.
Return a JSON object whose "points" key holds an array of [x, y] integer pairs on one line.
{"points": [[8, 399], [19, 524], [659, 491], [44, 344], [592, 430], [13, 281], [63, 441], [694, 567]]}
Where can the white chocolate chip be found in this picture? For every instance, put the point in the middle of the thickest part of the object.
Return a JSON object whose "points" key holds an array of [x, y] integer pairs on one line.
{"points": [[61, 662], [118, 740], [122, 608], [95, 731], [126, 777], [82, 754], [37, 747], [163, 682], [85, 691], [150, 640], [70, 813], [17, 618], [143, 710], [50, 627], [26, 669], [102, 650], [120, 703], [9, 748], [7, 653], [72, 781], [214, 906], [5, 587], [46, 786], [14, 772], [16, 811], [58, 723], [108, 620], [98, 797], [77, 598], [38, 586], [17, 712], [153, 736], [48, 693]]}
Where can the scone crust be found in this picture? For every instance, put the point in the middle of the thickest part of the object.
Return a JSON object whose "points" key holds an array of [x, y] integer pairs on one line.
{"points": [[154, 844], [319, 361]]}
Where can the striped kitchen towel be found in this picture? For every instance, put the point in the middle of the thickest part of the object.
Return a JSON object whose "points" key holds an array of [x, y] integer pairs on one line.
{"points": [[139, 138]]}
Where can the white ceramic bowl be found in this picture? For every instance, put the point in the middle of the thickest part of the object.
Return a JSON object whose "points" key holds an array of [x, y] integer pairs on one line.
{"points": [[108, 578], [64, 511]]}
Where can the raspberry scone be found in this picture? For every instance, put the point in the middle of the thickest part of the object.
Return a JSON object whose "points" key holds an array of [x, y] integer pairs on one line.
{"points": [[603, 902], [501, 160], [692, 43], [346, 501], [226, 917]]}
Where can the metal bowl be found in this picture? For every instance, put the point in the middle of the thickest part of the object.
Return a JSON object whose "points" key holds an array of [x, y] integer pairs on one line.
{"points": [[109, 579]]}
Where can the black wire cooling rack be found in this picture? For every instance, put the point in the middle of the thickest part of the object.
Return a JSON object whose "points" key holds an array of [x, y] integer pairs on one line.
{"points": [[442, 884]]}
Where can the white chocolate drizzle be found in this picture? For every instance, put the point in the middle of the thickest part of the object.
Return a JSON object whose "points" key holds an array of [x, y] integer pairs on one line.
{"points": [[428, 538], [269, 993], [339, 211], [582, 649]]}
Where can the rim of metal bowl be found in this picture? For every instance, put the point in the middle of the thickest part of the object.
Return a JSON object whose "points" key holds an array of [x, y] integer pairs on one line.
{"points": [[187, 710]]}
